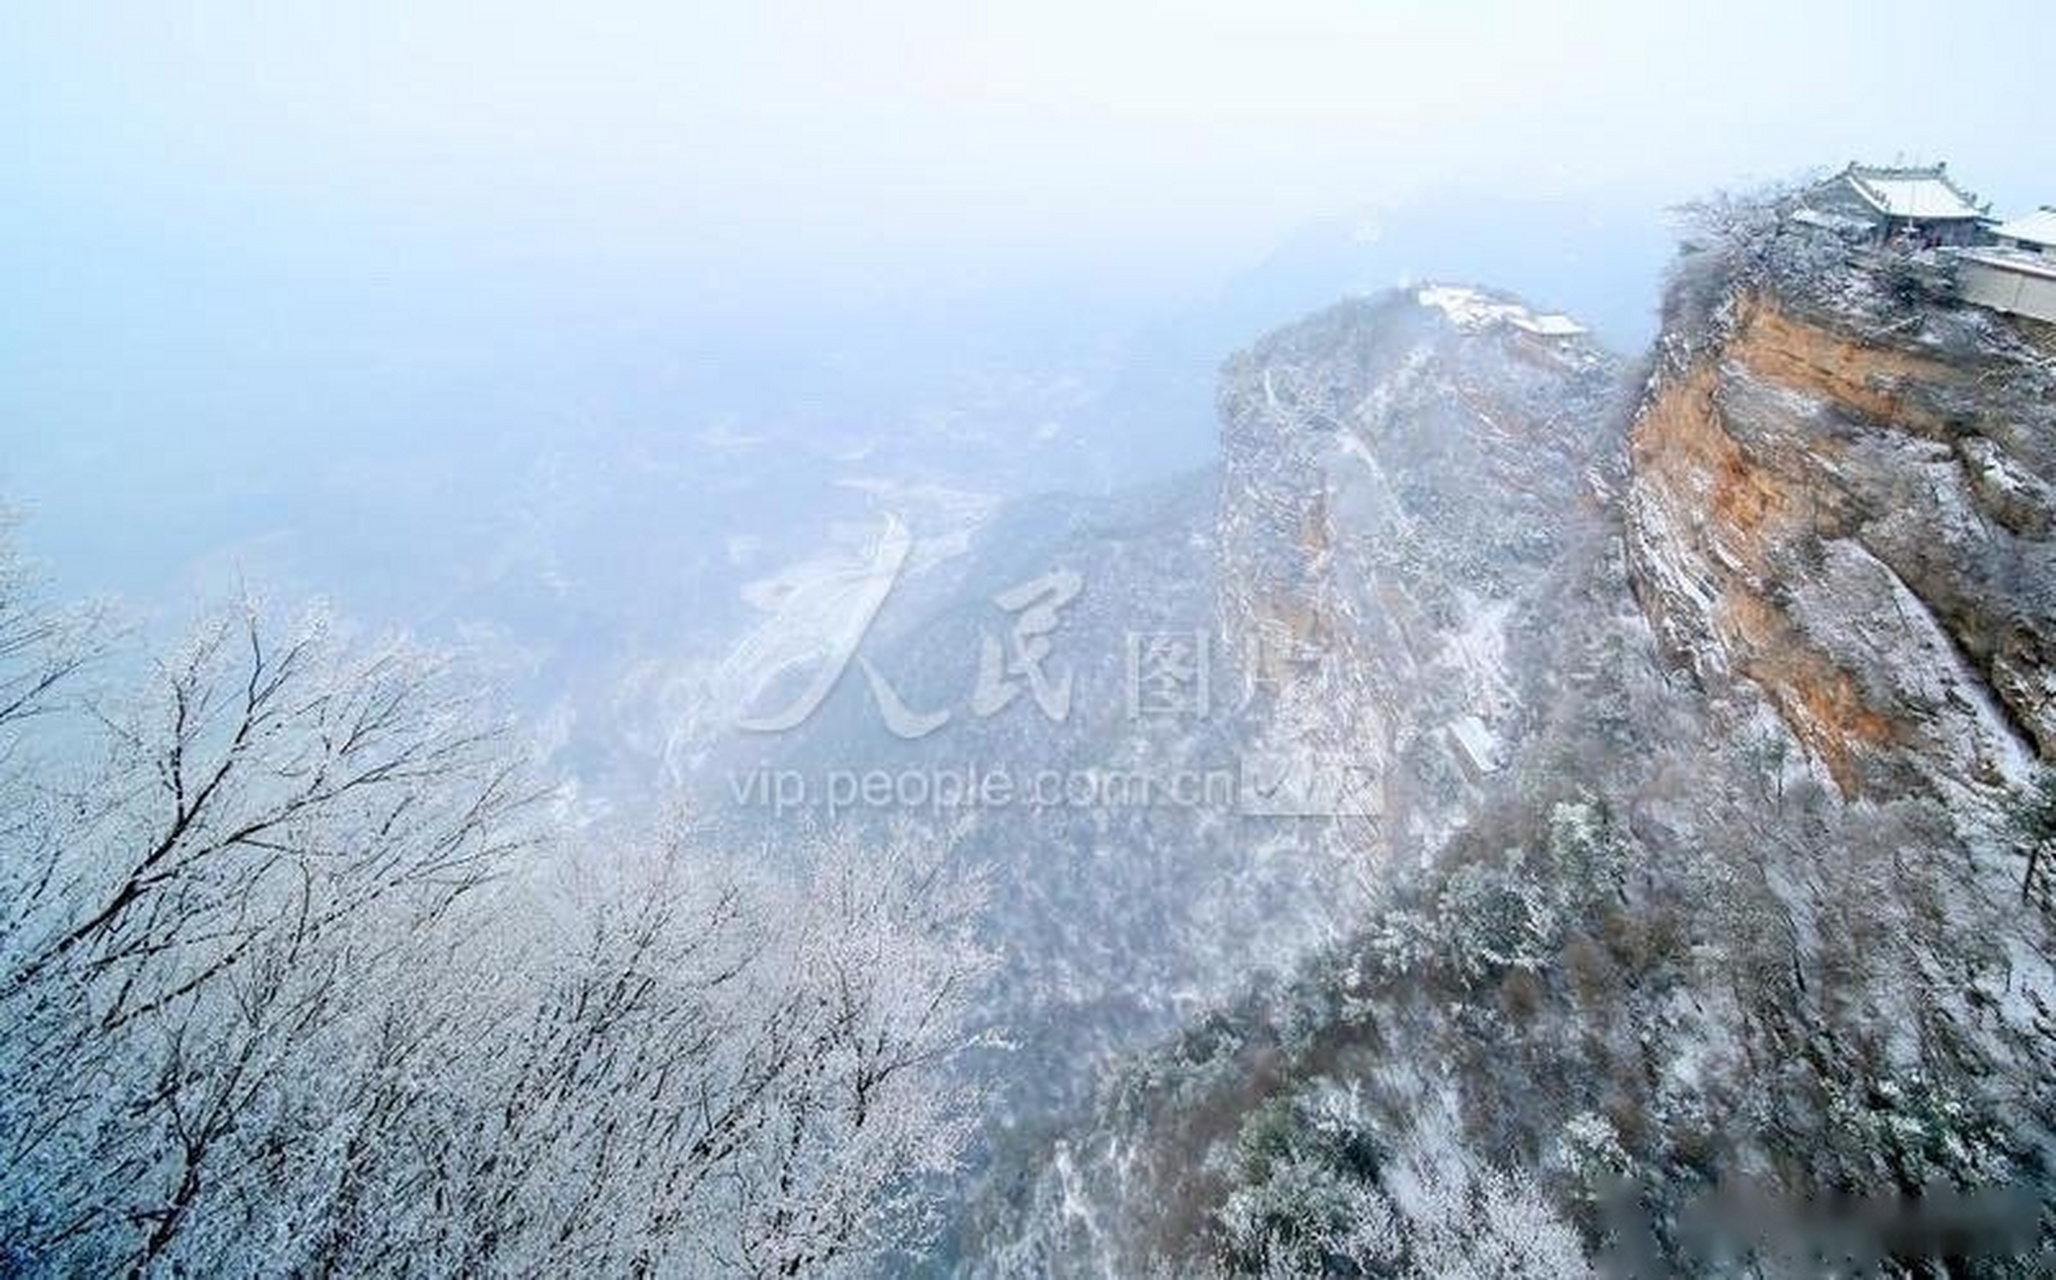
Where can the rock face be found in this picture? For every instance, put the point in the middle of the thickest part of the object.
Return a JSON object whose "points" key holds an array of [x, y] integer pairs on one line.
{"points": [[1845, 500], [1403, 479], [1692, 711], [1417, 490]]}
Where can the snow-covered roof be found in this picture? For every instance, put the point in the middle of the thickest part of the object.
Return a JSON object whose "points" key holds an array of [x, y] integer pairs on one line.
{"points": [[2038, 227], [1911, 193]]}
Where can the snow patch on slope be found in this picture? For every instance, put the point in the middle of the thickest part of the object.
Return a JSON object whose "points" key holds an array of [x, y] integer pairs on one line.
{"points": [[1471, 309]]}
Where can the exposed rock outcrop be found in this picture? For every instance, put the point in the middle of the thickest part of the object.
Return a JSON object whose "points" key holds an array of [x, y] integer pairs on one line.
{"points": [[1848, 505], [1698, 731], [1403, 479]]}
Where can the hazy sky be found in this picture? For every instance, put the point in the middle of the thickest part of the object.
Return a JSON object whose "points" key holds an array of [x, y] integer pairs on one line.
{"points": [[808, 133], [246, 246]]}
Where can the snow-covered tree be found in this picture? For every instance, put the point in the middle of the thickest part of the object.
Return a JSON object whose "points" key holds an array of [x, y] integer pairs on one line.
{"points": [[291, 981], [260, 835]]}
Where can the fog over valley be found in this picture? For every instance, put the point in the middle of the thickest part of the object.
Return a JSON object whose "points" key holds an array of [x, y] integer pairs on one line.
{"points": [[1316, 639]]}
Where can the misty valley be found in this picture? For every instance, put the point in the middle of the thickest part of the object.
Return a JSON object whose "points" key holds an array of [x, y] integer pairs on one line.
{"points": [[803, 644]]}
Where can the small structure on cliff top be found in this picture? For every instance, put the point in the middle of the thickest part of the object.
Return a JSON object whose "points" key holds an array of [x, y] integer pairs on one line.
{"points": [[2033, 233], [2017, 272], [2011, 278], [1898, 204]]}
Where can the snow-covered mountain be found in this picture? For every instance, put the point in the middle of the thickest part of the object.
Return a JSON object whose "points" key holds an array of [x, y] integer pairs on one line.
{"points": [[1366, 588], [1405, 479], [1696, 712]]}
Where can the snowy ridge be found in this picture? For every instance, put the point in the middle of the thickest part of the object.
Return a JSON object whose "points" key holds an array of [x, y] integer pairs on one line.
{"points": [[1472, 309]]}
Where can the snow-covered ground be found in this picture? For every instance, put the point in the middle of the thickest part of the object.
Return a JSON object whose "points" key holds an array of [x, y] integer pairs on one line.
{"points": [[1473, 309]]}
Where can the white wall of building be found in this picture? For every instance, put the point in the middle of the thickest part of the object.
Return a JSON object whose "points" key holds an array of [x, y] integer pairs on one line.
{"points": [[2002, 288]]}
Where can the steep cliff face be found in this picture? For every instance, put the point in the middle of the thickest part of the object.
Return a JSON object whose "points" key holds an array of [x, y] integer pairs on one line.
{"points": [[1403, 480], [1666, 932], [1842, 496]]}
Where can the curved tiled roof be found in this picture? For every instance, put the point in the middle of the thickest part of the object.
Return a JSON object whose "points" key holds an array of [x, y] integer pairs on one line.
{"points": [[2038, 227], [1911, 193]]}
